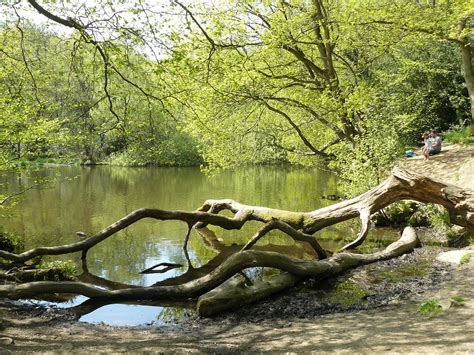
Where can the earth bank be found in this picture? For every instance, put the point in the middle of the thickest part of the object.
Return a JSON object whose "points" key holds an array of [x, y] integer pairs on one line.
{"points": [[298, 322]]}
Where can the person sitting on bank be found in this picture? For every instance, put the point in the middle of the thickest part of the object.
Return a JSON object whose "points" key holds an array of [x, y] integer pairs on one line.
{"points": [[435, 143], [427, 144]]}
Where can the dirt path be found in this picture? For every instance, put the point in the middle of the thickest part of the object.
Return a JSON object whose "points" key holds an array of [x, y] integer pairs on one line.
{"points": [[395, 329], [455, 164]]}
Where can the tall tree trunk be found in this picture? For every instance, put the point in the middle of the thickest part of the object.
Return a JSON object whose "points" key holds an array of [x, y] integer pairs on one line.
{"points": [[468, 64], [465, 41]]}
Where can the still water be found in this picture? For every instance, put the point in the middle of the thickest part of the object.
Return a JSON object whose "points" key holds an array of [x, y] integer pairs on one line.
{"points": [[90, 199]]}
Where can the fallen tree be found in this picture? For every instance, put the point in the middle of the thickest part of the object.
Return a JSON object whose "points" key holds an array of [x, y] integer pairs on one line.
{"points": [[218, 284]]}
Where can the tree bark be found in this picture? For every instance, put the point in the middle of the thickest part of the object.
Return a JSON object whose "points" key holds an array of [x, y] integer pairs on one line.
{"points": [[300, 226], [332, 266], [467, 66], [235, 293]]}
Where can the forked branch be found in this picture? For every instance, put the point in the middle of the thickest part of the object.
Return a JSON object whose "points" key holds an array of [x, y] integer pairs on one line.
{"points": [[233, 265], [401, 185]]}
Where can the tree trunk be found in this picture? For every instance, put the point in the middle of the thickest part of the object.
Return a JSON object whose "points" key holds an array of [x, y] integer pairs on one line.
{"points": [[299, 226], [335, 265], [465, 41], [468, 64]]}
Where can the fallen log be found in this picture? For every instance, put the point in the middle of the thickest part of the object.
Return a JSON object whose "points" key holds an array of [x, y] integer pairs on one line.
{"points": [[300, 226], [235, 293], [332, 266], [400, 185]]}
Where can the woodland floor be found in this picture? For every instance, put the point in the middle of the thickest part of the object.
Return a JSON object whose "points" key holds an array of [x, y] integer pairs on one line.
{"points": [[396, 327]]}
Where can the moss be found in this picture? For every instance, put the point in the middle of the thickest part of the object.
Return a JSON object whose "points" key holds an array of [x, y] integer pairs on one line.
{"points": [[346, 294], [293, 218], [406, 271]]}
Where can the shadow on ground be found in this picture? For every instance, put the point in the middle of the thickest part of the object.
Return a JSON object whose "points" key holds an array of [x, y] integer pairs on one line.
{"points": [[398, 329]]}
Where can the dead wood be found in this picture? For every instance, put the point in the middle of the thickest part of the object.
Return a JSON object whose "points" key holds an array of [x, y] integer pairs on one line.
{"points": [[301, 226], [233, 265], [235, 292], [401, 185]]}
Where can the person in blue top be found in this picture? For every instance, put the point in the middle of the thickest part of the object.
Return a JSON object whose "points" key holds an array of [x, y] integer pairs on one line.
{"points": [[435, 146]]}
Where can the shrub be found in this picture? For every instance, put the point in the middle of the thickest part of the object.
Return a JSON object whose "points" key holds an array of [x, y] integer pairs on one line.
{"points": [[66, 266], [11, 242], [459, 134]]}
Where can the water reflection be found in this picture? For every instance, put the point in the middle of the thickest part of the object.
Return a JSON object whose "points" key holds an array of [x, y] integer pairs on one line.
{"points": [[89, 199]]}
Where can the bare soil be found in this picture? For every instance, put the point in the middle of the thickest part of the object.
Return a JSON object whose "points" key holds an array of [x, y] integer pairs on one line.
{"points": [[396, 327]]}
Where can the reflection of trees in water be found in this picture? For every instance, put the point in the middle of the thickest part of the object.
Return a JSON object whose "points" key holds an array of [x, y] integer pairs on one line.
{"points": [[101, 195], [176, 309]]}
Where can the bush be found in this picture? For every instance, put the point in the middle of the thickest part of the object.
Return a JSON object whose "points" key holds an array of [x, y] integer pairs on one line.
{"points": [[11, 242], [459, 134], [414, 214], [63, 266], [396, 214]]}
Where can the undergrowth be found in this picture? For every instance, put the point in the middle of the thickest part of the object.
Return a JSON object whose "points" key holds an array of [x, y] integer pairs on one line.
{"points": [[459, 134]]}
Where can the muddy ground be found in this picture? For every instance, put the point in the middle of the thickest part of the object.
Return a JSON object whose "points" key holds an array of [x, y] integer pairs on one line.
{"points": [[397, 328], [384, 317]]}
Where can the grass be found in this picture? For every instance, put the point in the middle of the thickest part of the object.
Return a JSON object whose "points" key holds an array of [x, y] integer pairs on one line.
{"points": [[466, 258], [458, 301], [464, 135], [430, 308]]}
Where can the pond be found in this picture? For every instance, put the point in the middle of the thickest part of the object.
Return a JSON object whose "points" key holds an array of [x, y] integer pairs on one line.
{"points": [[88, 199]]}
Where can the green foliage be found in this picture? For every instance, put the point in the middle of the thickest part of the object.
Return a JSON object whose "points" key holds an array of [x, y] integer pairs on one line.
{"points": [[67, 267], [367, 163], [415, 214], [351, 82], [423, 86], [466, 258], [53, 105], [174, 149], [438, 216], [11, 242], [430, 308], [459, 134], [397, 214]]}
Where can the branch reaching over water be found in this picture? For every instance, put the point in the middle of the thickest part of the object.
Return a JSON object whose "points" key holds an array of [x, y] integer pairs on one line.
{"points": [[233, 265], [299, 225]]}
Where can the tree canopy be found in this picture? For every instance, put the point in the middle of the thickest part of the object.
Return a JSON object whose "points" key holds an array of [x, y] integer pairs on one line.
{"points": [[231, 83]]}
